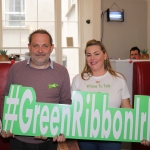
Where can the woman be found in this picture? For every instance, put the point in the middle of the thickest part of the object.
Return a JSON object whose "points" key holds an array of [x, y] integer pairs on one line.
{"points": [[99, 73]]}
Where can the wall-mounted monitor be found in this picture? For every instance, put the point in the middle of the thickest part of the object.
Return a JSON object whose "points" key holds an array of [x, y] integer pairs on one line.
{"points": [[115, 15]]}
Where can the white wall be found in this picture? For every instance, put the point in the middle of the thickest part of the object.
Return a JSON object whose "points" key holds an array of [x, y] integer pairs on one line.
{"points": [[88, 10], [119, 37]]}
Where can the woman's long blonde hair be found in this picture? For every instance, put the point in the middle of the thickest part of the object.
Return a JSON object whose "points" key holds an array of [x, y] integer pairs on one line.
{"points": [[107, 66]]}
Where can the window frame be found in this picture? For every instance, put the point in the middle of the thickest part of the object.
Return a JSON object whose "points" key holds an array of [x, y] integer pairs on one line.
{"points": [[20, 22]]}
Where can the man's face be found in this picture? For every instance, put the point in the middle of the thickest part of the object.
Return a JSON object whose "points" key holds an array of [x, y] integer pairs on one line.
{"points": [[134, 54], [40, 49]]}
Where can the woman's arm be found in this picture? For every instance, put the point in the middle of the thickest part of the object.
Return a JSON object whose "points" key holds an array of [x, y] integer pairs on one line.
{"points": [[126, 103]]}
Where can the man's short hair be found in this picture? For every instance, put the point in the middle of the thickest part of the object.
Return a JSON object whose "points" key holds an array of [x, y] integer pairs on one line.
{"points": [[41, 31], [135, 48]]}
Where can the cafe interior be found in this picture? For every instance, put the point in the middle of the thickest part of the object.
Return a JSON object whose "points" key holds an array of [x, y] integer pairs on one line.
{"points": [[72, 24]]}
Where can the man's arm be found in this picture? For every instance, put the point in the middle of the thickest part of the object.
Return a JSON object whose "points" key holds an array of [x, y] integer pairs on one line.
{"points": [[65, 93]]}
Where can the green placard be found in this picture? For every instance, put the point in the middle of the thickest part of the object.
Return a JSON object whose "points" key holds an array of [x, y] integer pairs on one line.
{"points": [[87, 118]]}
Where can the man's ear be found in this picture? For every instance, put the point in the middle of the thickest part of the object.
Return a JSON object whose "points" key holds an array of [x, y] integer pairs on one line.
{"points": [[52, 47], [29, 46]]}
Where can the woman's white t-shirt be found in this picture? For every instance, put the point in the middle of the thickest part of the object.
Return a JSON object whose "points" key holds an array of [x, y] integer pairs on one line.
{"points": [[116, 87]]}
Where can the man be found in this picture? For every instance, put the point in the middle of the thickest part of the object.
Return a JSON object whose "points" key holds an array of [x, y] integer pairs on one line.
{"points": [[135, 53], [38, 72]]}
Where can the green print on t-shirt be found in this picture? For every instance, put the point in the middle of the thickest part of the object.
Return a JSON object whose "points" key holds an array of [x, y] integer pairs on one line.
{"points": [[106, 85], [98, 86]]}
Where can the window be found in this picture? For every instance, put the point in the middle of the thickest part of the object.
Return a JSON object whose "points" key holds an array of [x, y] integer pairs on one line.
{"points": [[20, 18], [58, 17], [14, 15], [72, 2]]}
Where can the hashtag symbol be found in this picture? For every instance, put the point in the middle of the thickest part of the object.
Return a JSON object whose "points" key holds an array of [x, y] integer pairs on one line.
{"points": [[12, 103]]}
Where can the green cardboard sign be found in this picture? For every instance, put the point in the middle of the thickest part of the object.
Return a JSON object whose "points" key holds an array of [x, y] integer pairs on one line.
{"points": [[87, 118]]}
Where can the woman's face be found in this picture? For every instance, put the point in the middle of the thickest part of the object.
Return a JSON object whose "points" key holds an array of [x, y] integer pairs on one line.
{"points": [[95, 58]]}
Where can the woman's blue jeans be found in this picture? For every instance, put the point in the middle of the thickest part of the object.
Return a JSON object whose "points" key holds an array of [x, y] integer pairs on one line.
{"points": [[98, 145]]}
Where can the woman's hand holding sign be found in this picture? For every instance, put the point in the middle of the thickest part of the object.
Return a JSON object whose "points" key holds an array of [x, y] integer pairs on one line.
{"points": [[145, 143]]}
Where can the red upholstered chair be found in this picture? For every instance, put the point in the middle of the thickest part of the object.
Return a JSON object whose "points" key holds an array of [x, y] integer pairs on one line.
{"points": [[141, 86], [4, 68], [4, 143]]}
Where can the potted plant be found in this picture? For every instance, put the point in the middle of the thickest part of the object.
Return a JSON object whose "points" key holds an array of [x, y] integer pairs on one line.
{"points": [[3, 55], [144, 54]]}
